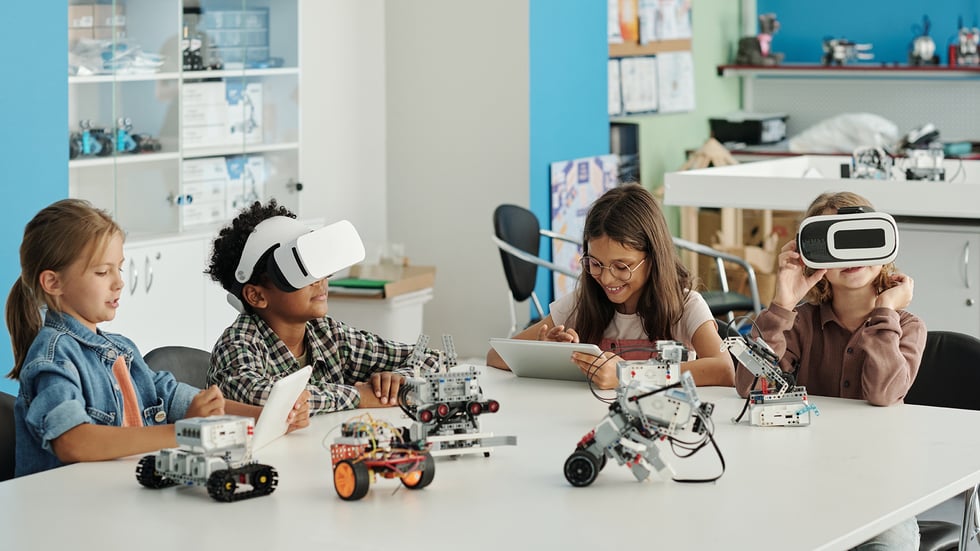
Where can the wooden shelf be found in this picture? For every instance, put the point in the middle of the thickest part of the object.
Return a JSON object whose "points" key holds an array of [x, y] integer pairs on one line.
{"points": [[856, 70], [631, 49]]}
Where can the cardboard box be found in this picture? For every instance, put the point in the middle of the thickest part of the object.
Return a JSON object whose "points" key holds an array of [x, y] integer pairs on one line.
{"points": [[764, 263], [81, 16], [108, 15], [399, 279]]}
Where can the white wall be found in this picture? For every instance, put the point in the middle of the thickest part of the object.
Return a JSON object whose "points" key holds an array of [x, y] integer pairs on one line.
{"points": [[343, 115], [458, 145]]}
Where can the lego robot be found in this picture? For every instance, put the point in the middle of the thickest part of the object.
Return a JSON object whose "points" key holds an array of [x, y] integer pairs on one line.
{"points": [[639, 417], [367, 448], [214, 452], [661, 371], [780, 402], [446, 403]]}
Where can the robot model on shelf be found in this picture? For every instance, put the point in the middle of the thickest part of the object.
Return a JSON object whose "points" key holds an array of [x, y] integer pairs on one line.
{"points": [[780, 402], [214, 452], [367, 448], [446, 402], [838, 51], [967, 44], [639, 416]]}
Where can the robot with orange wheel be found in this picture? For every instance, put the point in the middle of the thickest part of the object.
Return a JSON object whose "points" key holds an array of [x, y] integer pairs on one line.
{"points": [[369, 447]]}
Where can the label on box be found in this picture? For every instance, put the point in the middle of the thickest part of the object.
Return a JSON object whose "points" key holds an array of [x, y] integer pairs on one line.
{"points": [[246, 181]]}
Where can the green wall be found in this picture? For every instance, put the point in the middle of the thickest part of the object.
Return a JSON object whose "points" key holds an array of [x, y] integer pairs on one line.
{"points": [[664, 138]]}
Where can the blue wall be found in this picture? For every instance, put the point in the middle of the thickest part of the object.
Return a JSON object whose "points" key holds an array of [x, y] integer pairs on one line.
{"points": [[887, 24], [568, 117], [34, 148]]}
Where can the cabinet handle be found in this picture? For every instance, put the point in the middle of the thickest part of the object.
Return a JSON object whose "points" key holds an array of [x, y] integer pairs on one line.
{"points": [[149, 274], [966, 264], [134, 276]]}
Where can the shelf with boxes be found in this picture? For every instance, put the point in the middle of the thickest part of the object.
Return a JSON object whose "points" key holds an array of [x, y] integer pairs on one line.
{"points": [[178, 83], [181, 112]]}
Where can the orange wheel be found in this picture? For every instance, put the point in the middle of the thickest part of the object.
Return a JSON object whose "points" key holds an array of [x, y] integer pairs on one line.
{"points": [[416, 480], [351, 480]]}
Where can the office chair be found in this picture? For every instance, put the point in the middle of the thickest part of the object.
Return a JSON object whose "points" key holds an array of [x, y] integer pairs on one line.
{"points": [[8, 440], [517, 234], [189, 365], [948, 377], [726, 302]]}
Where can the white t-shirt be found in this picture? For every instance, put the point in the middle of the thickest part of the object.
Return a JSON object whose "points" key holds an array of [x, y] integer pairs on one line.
{"points": [[630, 326]]}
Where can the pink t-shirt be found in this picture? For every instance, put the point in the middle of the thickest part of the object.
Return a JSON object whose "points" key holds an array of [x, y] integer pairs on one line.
{"points": [[626, 330]]}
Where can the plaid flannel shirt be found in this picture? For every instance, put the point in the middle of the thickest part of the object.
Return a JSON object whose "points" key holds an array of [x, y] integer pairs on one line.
{"points": [[249, 357]]}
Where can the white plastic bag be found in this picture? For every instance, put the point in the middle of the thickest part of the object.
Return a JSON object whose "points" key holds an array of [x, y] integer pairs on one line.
{"points": [[845, 133]]}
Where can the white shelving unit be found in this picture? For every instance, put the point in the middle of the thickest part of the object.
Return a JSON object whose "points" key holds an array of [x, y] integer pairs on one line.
{"points": [[907, 96], [171, 202]]}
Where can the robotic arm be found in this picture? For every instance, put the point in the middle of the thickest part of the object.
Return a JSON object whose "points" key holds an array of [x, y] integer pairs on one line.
{"points": [[761, 361], [788, 404]]}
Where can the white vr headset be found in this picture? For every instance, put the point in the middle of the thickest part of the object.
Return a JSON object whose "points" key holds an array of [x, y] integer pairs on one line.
{"points": [[300, 256], [848, 239]]}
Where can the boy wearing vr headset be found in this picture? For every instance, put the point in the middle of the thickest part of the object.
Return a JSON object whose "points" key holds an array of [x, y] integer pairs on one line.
{"points": [[852, 337], [274, 269], [837, 318]]}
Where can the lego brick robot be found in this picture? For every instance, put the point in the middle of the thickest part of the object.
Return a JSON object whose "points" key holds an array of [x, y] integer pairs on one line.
{"points": [[214, 452], [640, 415], [446, 403], [780, 402]]}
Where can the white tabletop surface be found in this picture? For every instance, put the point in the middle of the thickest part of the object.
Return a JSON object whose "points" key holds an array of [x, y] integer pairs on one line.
{"points": [[855, 471]]}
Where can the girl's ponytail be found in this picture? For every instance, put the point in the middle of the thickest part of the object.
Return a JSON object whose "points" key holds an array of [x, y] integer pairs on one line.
{"points": [[23, 316]]}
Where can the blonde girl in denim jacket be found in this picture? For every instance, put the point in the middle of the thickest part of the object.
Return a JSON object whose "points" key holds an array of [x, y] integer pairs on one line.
{"points": [[87, 395]]}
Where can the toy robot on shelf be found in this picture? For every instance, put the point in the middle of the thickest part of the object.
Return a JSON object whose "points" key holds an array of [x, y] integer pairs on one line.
{"points": [[780, 402], [639, 416], [967, 42], [838, 51], [369, 447], [923, 48], [757, 50], [92, 142], [446, 403], [214, 452], [125, 140]]}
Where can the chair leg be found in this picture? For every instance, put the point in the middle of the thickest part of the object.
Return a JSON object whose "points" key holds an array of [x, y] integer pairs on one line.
{"points": [[537, 305], [513, 315], [971, 518]]}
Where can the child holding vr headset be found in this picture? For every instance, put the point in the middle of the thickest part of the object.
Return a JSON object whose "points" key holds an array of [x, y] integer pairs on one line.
{"points": [[852, 337], [275, 270]]}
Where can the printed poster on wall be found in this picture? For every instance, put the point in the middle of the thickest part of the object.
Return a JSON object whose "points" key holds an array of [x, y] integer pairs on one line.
{"points": [[575, 185]]}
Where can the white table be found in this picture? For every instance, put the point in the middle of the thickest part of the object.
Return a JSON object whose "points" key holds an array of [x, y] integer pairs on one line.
{"points": [[855, 471]]}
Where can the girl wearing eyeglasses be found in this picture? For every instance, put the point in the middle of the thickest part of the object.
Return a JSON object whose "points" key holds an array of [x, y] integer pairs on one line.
{"points": [[633, 291]]}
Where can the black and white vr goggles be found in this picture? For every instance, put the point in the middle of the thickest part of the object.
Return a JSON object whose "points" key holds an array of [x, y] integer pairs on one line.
{"points": [[299, 256], [850, 238]]}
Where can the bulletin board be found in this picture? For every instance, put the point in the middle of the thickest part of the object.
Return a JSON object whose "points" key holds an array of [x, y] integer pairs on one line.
{"points": [[651, 69]]}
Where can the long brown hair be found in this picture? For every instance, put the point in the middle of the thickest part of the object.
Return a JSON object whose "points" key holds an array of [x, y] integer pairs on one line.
{"points": [[629, 214], [822, 291], [58, 236]]}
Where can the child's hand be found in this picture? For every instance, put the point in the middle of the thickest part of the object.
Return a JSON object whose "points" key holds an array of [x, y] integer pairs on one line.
{"points": [[381, 391], [601, 369], [899, 296], [558, 333], [208, 402], [792, 283], [299, 416]]}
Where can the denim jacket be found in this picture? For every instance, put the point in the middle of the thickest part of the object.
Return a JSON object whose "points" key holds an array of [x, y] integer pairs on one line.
{"points": [[66, 380]]}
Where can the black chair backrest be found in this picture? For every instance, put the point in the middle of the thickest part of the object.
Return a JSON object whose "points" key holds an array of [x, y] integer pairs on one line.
{"points": [[189, 365], [949, 375], [519, 227], [8, 440]]}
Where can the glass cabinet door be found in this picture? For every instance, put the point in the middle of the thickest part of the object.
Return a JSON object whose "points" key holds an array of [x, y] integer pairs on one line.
{"points": [[182, 112]]}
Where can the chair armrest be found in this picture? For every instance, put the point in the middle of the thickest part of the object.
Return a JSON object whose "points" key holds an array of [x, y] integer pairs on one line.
{"points": [[528, 257], [708, 251], [560, 236]]}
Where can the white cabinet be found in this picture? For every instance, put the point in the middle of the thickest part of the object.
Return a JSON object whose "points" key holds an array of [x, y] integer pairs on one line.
{"points": [[168, 299], [167, 145], [944, 262]]}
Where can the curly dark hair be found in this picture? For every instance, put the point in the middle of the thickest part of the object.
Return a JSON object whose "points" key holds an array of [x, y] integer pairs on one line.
{"points": [[227, 249]]}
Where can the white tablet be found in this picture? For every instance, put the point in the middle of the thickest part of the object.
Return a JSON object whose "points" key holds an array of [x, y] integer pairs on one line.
{"points": [[543, 359], [272, 421]]}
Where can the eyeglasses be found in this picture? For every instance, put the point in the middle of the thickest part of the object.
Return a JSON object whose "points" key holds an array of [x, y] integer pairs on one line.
{"points": [[619, 270]]}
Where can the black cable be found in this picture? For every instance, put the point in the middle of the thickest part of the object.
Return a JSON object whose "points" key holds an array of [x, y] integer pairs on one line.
{"points": [[748, 399]]}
